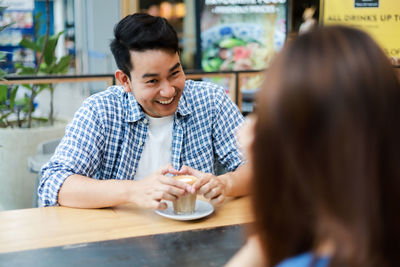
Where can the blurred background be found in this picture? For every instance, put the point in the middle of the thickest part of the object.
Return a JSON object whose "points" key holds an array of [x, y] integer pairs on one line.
{"points": [[225, 41]]}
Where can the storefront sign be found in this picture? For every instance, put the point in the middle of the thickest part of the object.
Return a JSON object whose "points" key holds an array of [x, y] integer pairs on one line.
{"points": [[379, 18]]}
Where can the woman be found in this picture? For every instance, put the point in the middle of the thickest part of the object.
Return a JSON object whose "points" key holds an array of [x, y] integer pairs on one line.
{"points": [[325, 154]]}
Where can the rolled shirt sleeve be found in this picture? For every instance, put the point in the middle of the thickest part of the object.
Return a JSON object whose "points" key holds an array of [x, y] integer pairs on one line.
{"points": [[79, 152]]}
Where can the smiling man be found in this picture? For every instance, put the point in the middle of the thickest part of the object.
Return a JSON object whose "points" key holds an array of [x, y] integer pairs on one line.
{"points": [[124, 143]]}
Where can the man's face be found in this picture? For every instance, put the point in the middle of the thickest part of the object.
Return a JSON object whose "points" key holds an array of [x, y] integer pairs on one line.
{"points": [[157, 81]]}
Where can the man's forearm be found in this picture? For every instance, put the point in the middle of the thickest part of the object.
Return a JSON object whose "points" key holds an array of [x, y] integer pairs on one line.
{"points": [[238, 182], [83, 192]]}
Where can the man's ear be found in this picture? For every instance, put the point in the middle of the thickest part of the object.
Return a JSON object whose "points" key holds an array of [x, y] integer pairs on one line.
{"points": [[123, 79]]}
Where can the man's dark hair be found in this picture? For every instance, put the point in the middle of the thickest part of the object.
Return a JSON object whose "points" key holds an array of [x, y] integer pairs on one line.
{"points": [[140, 32]]}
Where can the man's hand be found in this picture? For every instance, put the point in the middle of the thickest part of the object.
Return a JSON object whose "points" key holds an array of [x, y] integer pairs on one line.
{"points": [[208, 185], [149, 192]]}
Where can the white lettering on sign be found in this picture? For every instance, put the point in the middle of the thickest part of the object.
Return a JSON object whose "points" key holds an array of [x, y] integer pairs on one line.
{"points": [[243, 9], [242, 2]]}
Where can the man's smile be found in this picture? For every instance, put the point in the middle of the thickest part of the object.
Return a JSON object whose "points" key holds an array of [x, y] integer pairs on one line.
{"points": [[166, 102]]}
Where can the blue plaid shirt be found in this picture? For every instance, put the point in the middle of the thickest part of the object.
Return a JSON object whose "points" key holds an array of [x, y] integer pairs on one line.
{"points": [[106, 136]]}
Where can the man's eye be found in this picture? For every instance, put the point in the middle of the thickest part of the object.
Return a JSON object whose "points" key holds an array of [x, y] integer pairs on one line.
{"points": [[152, 81], [175, 73]]}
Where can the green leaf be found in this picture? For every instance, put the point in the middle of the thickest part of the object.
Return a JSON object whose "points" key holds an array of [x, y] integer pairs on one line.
{"points": [[38, 22], [44, 69], [2, 28], [3, 92], [41, 119], [24, 104], [62, 65], [26, 70], [2, 74], [27, 105], [49, 52], [5, 115], [42, 87], [51, 47], [12, 96], [27, 86], [18, 65], [2, 109], [29, 44], [40, 42]]}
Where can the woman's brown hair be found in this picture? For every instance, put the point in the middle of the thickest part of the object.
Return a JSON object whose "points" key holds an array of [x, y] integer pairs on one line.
{"points": [[326, 150]]}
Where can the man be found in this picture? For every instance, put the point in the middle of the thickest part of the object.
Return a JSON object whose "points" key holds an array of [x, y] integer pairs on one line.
{"points": [[124, 143]]}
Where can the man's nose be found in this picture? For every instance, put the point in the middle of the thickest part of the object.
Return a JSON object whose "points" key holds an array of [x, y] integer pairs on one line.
{"points": [[167, 90]]}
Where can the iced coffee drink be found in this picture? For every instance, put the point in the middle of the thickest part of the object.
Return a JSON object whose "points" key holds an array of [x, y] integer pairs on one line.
{"points": [[186, 203]]}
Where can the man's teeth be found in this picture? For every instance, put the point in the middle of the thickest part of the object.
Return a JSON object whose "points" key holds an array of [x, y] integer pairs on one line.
{"points": [[166, 102]]}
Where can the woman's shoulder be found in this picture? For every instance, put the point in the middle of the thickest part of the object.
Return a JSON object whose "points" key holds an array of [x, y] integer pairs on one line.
{"points": [[305, 260]]}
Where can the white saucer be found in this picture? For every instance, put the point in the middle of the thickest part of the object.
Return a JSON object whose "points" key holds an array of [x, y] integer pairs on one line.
{"points": [[201, 210]]}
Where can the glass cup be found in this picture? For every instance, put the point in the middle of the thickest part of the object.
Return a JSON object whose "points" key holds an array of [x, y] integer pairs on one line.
{"points": [[186, 203]]}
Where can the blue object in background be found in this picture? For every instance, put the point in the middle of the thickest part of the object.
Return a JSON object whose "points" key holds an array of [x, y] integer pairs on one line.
{"points": [[11, 50], [40, 6]]}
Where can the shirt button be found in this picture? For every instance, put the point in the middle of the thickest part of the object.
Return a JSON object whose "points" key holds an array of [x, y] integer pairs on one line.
{"points": [[133, 173], [140, 143], [145, 121]]}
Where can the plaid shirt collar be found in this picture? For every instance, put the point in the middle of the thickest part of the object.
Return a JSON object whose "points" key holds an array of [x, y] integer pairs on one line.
{"points": [[134, 112]]}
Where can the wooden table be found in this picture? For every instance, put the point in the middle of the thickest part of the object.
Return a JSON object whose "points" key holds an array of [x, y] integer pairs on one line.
{"points": [[59, 226]]}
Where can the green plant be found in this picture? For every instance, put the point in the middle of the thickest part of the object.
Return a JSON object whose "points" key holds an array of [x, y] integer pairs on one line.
{"points": [[3, 87], [20, 110]]}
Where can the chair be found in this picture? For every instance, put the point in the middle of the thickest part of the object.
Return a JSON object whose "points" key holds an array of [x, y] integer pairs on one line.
{"points": [[43, 154]]}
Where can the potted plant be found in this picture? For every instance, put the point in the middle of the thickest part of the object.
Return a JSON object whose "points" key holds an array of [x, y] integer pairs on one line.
{"points": [[20, 131]]}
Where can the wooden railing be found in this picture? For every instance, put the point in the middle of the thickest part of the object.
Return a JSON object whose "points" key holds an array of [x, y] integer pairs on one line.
{"points": [[234, 77], [234, 86], [109, 78]]}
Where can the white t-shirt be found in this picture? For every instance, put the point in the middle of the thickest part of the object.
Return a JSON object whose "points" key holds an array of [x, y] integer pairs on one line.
{"points": [[157, 149]]}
